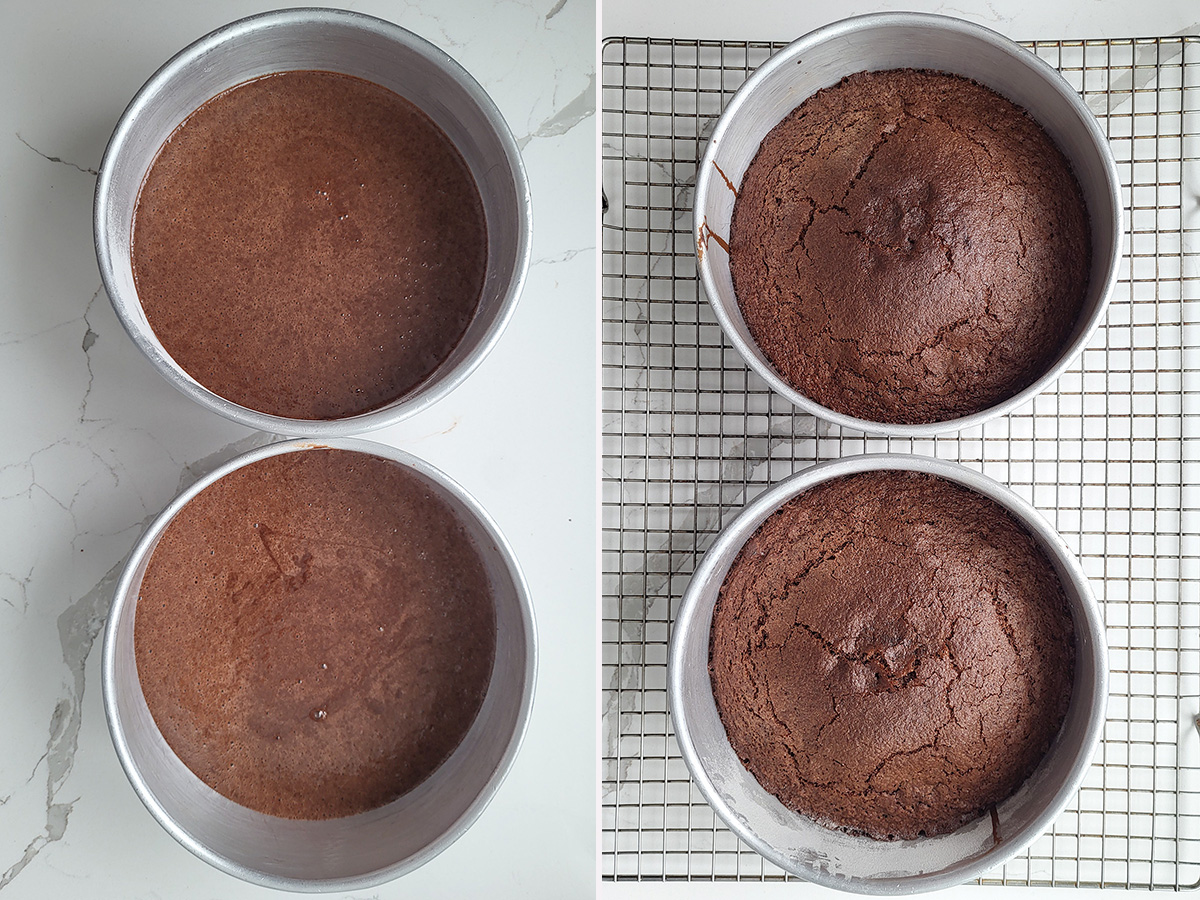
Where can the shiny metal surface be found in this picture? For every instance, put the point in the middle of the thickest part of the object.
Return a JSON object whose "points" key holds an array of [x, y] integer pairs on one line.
{"points": [[887, 41], [357, 851], [860, 864], [353, 44]]}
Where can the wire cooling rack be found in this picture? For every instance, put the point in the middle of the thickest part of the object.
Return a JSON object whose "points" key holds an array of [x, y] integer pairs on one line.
{"points": [[1110, 454]]}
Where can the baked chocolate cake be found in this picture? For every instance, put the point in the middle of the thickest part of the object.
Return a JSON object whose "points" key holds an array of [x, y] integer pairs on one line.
{"points": [[909, 247], [315, 633], [309, 245], [892, 654]]}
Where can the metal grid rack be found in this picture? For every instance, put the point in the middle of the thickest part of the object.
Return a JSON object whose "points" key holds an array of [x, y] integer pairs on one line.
{"points": [[1110, 454]]}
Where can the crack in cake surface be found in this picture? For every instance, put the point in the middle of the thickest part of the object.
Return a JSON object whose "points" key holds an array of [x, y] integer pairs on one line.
{"points": [[895, 672], [889, 206]]}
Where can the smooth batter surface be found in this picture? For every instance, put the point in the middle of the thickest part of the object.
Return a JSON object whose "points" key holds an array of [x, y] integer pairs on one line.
{"points": [[309, 245], [891, 654], [315, 634], [909, 247]]}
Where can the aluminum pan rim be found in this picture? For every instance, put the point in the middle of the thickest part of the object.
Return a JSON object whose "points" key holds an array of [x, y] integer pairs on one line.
{"points": [[698, 599], [372, 419], [791, 55], [146, 544]]}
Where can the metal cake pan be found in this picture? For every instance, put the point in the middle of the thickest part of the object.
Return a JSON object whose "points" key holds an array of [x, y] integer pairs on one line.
{"points": [[352, 44], [833, 858], [890, 41], [354, 852]]}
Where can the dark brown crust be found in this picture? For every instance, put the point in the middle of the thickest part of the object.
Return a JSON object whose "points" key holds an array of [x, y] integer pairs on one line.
{"points": [[315, 634], [891, 654], [909, 247]]}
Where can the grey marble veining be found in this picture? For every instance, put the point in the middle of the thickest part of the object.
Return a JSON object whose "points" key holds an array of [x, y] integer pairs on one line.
{"points": [[94, 444]]}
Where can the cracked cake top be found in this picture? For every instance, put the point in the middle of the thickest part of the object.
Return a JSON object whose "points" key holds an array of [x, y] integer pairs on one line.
{"points": [[891, 654], [909, 247]]}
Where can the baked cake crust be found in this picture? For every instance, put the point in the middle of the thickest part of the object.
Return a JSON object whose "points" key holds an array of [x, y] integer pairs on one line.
{"points": [[908, 246], [891, 654]]}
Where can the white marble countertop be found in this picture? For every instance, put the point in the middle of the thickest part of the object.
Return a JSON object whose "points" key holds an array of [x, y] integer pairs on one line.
{"points": [[783, 20], [95, 444]]}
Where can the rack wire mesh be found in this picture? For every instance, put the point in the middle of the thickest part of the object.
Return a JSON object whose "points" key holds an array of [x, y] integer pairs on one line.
{"points": [[1110, 454]]}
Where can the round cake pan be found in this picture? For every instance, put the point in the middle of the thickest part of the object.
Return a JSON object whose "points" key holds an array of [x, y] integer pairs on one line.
{"points": [[894, 41], [352, 44], [354, 852], [833, 858]]}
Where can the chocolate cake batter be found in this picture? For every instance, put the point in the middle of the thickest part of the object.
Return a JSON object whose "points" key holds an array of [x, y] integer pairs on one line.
{"points": [[909, 246], [315, 634], [309, 245], [891, 654]]}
